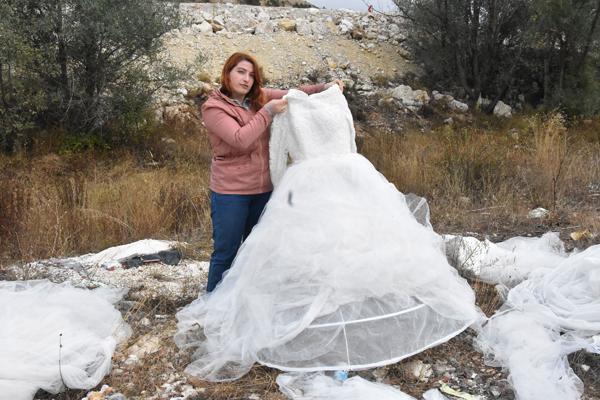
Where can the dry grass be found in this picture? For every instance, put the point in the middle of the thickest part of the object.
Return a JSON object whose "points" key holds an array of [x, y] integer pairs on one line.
{"points": [[476, 178], [486, 178], [55, 206]]}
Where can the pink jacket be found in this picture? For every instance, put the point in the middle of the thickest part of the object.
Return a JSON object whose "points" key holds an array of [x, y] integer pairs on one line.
{"points": [[240, 143]]}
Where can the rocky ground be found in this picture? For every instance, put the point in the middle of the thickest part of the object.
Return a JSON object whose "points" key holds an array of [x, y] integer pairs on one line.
{"points": [[149, 365]]}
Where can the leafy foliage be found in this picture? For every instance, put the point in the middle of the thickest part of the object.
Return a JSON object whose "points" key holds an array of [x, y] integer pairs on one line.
{"points": [[81, 65], [547, 50]]}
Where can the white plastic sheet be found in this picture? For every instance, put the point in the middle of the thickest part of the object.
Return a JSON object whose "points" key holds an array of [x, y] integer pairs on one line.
{"points": [[552, 314], [338, 273], [36, 316]]}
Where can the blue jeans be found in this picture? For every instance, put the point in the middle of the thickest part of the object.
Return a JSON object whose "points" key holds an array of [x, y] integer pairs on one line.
{"points": [[233, 217]]}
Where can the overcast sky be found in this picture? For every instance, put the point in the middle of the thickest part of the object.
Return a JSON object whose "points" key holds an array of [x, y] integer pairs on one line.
{"points": [[359, 5]]}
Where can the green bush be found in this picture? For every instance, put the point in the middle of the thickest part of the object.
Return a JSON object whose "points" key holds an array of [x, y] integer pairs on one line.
{"points": [[79, 65]]}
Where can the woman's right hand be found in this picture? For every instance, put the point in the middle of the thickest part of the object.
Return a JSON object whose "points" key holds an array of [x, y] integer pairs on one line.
{"points": [[276, 106]]}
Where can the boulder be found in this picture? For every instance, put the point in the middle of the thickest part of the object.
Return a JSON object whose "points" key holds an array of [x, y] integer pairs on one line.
{"points": [[458, 106], [205, 28], [264, 27], [286, 24], [345, 26], [412, 99], [303, 27], [502, 110]]}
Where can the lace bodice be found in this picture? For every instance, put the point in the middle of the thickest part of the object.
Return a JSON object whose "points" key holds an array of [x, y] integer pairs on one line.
{"points": [[313, 126]]}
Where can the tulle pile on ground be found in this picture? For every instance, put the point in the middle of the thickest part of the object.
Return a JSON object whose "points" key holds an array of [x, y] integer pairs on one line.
{"points": [[548, 316], [54, 336]]}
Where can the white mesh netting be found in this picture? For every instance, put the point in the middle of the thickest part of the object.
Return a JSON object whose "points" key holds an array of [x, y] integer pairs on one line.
{"points": [[548, 316], [36, 317], [338, 273]]}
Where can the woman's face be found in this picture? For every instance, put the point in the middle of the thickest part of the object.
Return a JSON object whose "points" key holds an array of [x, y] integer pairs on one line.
{"points": [[241, 78]]}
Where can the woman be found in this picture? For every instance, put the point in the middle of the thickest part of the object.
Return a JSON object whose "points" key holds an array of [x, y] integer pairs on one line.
{"points": [[237, 117]]}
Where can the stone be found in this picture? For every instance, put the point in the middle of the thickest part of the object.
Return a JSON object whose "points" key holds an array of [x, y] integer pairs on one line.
{"points": [[345, 26], [458, 106], [286, 24], [264, 28], [219, 20], [205, 28], [357, 34], [216, 27], [502, 110], [539, 212], [263, 16], [303, 27]]}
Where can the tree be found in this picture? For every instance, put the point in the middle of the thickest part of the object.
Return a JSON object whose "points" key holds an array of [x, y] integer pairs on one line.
{"points": [[545, 49], [565, 34], [84, 59], [469, 45]]}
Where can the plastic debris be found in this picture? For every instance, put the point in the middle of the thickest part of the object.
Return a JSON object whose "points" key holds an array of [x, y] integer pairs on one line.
{"points": [[461, 395], [581, 235]]}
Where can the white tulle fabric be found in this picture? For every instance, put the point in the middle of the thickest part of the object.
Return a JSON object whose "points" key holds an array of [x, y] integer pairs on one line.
{"points": [[553, 313], [338, 273], [34, 315]]}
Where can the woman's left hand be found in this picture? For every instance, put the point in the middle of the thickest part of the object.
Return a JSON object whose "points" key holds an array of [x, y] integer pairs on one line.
{"points": [[338, 82]]}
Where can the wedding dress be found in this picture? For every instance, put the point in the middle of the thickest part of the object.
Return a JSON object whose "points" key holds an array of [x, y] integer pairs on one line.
{"points": [[337, 274]]}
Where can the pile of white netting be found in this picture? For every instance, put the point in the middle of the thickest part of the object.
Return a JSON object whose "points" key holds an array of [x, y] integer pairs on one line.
{"points": [[508, 262], [553, 313], [338, 273], [55, 336]]}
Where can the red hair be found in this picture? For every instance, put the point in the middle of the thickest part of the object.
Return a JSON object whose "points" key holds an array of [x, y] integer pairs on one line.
{"points": [[256, 95]]}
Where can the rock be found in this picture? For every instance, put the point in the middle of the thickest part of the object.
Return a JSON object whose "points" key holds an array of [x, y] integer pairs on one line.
{"points": [[502, 110], [287, 24], [217, 27], [413, 99], [357, 34], [385, 102], [345, 26], [205, 28], [495, 391], [539, 212], [263, 16], [219, 20], [458, 106], [264, 28], [303, 27]]}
